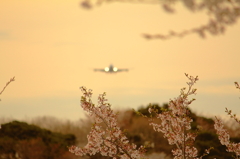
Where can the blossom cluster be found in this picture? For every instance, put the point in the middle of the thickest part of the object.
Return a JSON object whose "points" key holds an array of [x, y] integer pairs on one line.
{"points": [[224, 138], [176, 123], [223, 134], [105, 136]]}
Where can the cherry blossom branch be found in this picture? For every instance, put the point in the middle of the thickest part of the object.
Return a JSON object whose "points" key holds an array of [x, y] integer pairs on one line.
{"points": [[176, 123], [223, 134], [11, 80], [237, 85], [229, 112], [105, 136], [221, 13], [224, 138]]}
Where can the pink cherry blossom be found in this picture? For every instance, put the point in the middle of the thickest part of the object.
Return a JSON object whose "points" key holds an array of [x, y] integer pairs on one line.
{"points": [[223, 134], [105, 136], [224, 138], [176, 123]]}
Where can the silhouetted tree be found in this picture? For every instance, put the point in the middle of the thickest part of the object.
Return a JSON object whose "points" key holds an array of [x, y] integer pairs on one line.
{"points": [[19, 139], [221, 14]]}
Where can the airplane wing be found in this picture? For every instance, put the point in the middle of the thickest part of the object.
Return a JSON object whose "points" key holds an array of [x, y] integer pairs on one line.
{"points": [[101, 70], [119, 70]]}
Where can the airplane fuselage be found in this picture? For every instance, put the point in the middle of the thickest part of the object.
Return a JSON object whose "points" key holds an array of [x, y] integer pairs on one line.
{"points": [[111, 69]]}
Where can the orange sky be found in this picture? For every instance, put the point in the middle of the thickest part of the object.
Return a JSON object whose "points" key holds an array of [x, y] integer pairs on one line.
{"points": [[52, 47]]}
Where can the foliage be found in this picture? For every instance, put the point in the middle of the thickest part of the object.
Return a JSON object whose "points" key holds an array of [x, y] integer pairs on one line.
{"points": [[144, 110], [22, 140], [207, 139], [79, 128]]}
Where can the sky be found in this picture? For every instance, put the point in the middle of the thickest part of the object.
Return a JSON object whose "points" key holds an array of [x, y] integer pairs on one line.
{"points": [[53, 46]]}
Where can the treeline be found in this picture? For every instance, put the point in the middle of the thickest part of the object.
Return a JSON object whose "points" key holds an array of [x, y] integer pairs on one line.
{"points": [[19, 140], [51, 137], [140, 132]]}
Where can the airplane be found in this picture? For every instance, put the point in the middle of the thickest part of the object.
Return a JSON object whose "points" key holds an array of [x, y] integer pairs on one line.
{"points": [[111, 69]]}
